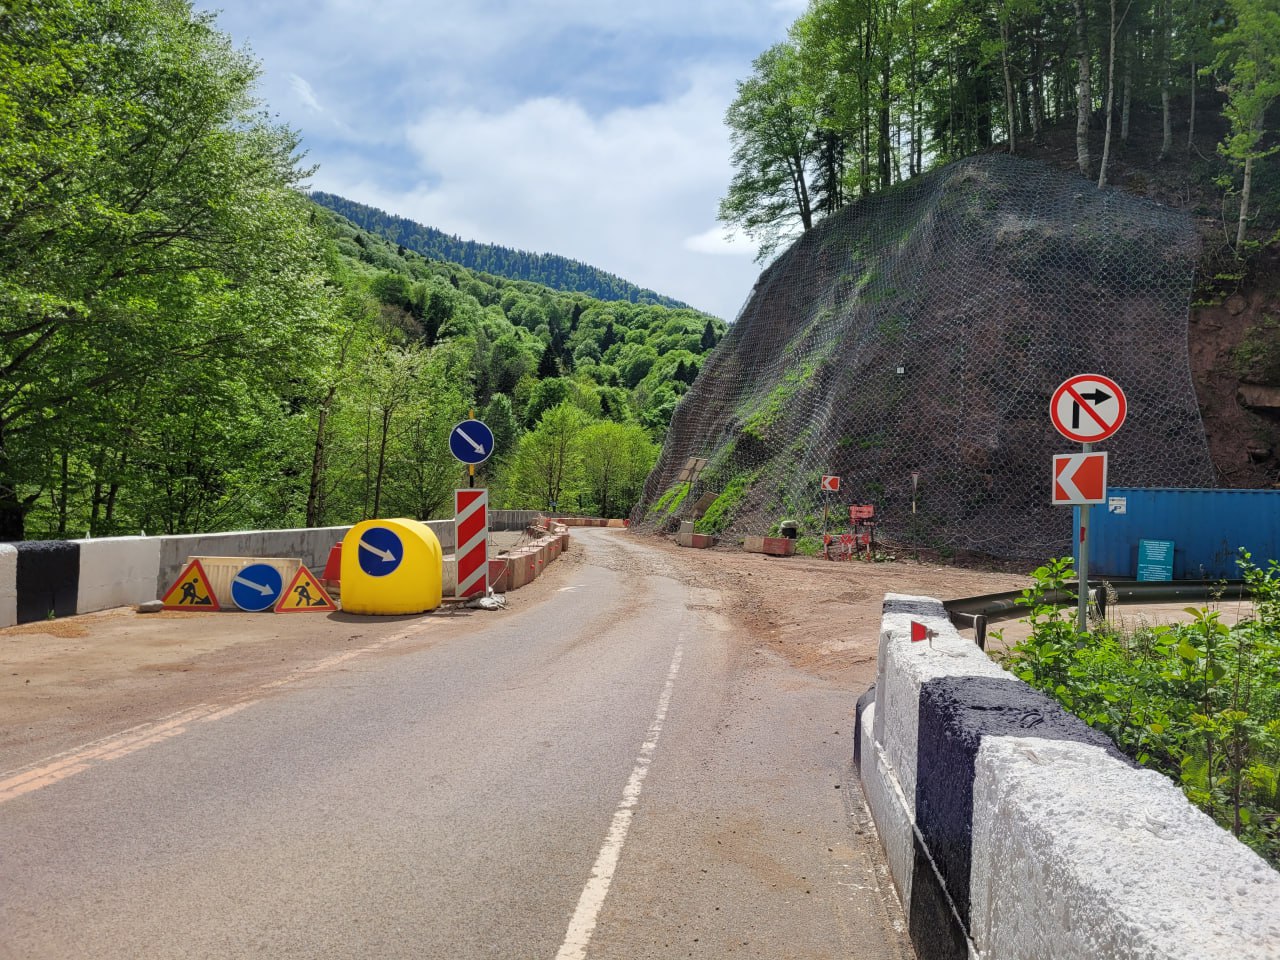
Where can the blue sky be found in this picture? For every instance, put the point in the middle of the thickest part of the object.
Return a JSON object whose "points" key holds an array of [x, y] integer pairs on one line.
{"points": [[588, 128]]}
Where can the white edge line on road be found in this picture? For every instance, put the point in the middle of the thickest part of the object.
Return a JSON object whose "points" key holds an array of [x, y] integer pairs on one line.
{"points": [[45, 772], [583, 923]]}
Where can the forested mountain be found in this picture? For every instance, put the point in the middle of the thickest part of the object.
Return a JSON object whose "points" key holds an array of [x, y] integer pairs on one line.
{"points": [[187, 343], [548, 269]]}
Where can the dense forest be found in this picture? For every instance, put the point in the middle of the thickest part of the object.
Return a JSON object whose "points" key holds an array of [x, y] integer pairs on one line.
{"points": [[863, 94], [548, 269], [188, 343]]}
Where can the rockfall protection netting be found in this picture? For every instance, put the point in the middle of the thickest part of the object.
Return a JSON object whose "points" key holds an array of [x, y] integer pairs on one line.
{"points": [[923, 330]]}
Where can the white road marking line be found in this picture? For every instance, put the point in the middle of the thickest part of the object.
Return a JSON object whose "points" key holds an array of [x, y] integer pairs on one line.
{"points": [[583, 923], [45, 772]]}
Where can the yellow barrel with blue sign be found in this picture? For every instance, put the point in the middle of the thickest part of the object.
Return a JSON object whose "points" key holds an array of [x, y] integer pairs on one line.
{"points": [[391, 567]]}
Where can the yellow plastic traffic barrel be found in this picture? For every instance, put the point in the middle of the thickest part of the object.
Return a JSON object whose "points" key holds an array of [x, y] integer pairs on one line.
{"points": [[391, 567]]}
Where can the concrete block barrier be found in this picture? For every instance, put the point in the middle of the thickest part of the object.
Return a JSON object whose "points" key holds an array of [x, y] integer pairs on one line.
{"points": [[773, 546], [117, 571], [1013, 830], [8, 585], [67, 577], [311, 546]]}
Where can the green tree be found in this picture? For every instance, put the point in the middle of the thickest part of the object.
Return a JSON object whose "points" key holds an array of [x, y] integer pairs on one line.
{"points": [[772, 135], [709, 338], [548, 459], [616, 459], [1250, 52], [148, 224]]}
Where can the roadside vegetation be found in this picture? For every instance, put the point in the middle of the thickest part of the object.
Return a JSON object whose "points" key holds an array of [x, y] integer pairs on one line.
{"points": [[1198, 701], [188, 343]]}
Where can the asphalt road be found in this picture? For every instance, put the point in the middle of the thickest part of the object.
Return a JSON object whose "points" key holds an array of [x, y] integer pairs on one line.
{"points": [[614, 774]]}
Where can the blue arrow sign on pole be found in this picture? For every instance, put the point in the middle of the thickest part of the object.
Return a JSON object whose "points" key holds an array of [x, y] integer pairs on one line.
{"points": [[380, 551], [256, 588], [471, 441]]}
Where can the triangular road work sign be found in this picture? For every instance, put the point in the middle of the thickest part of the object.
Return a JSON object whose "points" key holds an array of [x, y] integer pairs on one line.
{"points": [[191, 591], [305, 595]]}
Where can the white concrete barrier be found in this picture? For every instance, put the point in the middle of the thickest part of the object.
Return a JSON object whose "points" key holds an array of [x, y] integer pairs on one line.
{"points": [[8, 585], [1016, 832], [116, 572]]}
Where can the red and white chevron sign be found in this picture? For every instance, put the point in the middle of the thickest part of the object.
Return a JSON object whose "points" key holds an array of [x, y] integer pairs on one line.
{"points": [[471, 536], [1079, 478]]}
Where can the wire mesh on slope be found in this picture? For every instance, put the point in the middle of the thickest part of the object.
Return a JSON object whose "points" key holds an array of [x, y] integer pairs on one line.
{"points": [[923, 330]]}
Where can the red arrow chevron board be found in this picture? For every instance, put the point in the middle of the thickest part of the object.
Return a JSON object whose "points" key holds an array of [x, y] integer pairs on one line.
{"points": [[1079, 478]]}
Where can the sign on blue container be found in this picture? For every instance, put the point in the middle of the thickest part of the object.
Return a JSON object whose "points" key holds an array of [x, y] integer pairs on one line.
{"points": [[1155, 560]]}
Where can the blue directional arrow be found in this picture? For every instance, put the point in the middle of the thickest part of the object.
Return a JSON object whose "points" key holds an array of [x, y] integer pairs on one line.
{"points": [[471, 441], [380, 551], [256, 588]]}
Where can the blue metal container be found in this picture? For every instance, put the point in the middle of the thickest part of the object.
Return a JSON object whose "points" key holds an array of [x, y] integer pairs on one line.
{"points": [[1207, 527]]}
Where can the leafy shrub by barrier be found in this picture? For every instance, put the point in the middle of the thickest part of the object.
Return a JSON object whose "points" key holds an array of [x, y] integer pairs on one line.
{"points": [[1198, 701]]}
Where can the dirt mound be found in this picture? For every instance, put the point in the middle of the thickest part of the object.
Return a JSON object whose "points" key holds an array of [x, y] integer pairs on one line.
{"points": [[922, 331]]}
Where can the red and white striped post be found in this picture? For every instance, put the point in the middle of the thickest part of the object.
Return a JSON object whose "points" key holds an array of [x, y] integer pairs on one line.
{"points": [[471, 539]]}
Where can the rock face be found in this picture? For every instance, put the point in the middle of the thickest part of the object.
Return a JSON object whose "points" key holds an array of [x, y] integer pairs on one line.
{"points": [[922, 332], [1259, 397]]}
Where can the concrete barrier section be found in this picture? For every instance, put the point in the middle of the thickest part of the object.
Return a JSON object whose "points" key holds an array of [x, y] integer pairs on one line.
{"points": [[47, 579], [8, 585], [117, 572], [773, 546], [311, 546], [1013, 830]]}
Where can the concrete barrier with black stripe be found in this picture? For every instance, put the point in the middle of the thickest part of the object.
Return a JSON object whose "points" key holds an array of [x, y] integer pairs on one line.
{"points": [[40, 579], [1013, 830]]}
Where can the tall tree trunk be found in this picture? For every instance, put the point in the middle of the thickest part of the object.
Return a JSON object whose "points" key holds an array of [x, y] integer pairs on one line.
{"points": [[913, 157], [382, 460], [1191, 119], [1010, 111], [113, 493], [1244, 204], [1111, 97], [1037, 82], [1084, 94], [1126, 86], [318, 458], [864, 85], [1166, 69], [64, 491], [13, 510]]}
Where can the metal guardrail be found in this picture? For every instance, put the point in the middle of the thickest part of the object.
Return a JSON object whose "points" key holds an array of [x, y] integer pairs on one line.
{"points": [[976, 612]]}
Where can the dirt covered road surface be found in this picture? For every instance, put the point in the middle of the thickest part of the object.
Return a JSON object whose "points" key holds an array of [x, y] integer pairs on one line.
{"points": [[647, 754], [72, 680]]}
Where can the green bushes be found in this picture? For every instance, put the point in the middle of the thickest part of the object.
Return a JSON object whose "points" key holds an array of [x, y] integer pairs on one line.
{"points": [[1198, 701], [722, 509]]}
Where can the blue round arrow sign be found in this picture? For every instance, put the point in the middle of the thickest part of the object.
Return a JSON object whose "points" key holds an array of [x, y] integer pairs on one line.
{"points": [[256, 588], [380, 551], [471, 441]]}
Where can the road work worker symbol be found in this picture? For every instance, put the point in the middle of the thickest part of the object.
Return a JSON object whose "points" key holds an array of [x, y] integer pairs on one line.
{"points": [[305, 595], [191, 591]]}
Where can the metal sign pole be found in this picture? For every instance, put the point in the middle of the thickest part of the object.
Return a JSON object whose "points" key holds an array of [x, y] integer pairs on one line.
{"points": [[1083, 588]]}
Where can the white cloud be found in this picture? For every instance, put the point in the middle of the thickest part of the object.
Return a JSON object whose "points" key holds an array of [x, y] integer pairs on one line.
{"points": [[305, 93], [588, 128], [721, 241], [625, 191]]}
